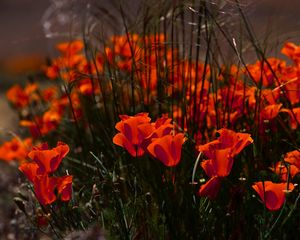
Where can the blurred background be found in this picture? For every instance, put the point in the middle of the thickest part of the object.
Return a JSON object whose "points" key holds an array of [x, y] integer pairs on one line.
{"points": [[30, 29]]}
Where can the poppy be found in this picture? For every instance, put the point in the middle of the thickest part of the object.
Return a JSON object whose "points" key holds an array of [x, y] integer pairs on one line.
{"points": [[161, 127], [44, 187], [211, 188], [294, 115], [167, 149], [70, 48], [270, 111], [20, 97], [293, 158], [47, 159], [220, 154], [30, 170], [283, 170], [272, 194], [64, 187], [227, 139], [15, 149], [133, 131]]}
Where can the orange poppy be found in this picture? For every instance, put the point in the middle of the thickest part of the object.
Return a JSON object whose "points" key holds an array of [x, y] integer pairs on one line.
{"points": [[211, 188], [167, 149], [294, 115], [161, 127], [220, 155], [47, 159], [44, 187], [30, 170], [70, 48], [282, 170], [133, 131], [292, 51], [293, 158], [20, 97], [270, 111], [272, 194], [15, 149], [220, 165], [64, 187], [227, 139]]}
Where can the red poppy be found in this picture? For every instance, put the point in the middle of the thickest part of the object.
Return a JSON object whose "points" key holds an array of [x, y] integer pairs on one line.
{"points": [[227, 139], [282, 170], [30, 170], [47, 159], [294, 115], [167, 149], [44, 187], [133, 131], [21, 97], [272, 194], [15, 149], [160, 128], [220, 165], [64, 187], [220, 155], [293, 158], [211, 188], [270, 111], [70, 48]]}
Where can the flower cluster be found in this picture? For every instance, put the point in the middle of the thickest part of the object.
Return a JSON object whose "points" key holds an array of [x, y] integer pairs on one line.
{"points": [[39, 172], [221, 153], [138, 135]]}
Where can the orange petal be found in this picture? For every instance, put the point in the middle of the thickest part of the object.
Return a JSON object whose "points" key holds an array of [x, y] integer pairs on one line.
{"points": [[211, 188]]}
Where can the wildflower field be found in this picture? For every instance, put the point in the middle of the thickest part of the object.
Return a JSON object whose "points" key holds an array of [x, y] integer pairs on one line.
{"points": [[174, 123]]}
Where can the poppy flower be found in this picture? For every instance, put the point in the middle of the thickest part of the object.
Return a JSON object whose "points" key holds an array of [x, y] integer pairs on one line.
{"points": [[47, 159], [220, 154], [292, 51], [15, 149], [282, 170], [270, 112], [272, 194], [167, 149], [161, 127], [64, 187], [227, 139], [44, 187], [211, 188], [133, 131], [293, 158], [294, 115], [30, 170], [20, 97], [70, 48], [220, 165]]}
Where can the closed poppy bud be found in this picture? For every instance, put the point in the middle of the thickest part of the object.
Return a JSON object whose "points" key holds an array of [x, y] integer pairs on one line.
{"points": [[64, 187], [272, 194], [167, 149]]}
